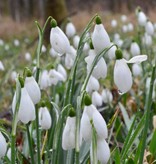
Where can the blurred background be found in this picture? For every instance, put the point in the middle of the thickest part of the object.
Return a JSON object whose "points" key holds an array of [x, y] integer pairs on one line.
{"points": [[17, 16]]}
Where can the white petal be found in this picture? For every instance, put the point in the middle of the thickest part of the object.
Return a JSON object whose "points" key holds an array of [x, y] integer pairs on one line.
{"points": [[1, 66], [149, 28], [100, 38], [103, 151], [44, 80], [45, 118], [26, 111], [136, 69], [93, 84], [68, 137], [122, 76], [70, 30], [62, 71], [137, 59], [100, 125], [33, 89], [142, 18], [135, 49], [59, 41], [107, 96], [3, 145], [96, 99], [76, 40]]}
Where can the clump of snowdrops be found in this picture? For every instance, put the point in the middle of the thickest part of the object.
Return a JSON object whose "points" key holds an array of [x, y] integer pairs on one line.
{"points": [[78, 107]]}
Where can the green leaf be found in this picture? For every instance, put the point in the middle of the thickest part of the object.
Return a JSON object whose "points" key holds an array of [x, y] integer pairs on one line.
{"points": [[152, 146]]}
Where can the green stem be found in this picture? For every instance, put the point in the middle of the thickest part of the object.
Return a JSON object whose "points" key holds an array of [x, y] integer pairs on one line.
{"points": [[147, 116], [30, 144], [38, 136], [13, 155]]}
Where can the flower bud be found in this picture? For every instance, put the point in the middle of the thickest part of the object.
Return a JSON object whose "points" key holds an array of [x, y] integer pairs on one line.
{"points": [[96, 99], [135, 49], [3, 145], [149, 28], [70, 30], [107, 96]]}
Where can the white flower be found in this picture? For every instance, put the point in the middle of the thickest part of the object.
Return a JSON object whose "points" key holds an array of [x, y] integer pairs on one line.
{"points": [[107, 96], [122, 73], [96, 99], [55, 77], [27, 56], [53, 53], [149, 28], [100, 70], [103, 151], [1, 66], [16, 42], [147, 40], [100, 38], [62, 71], [76, 40], [59, 41], [136, 70], [3, 145], [1, 42], [44, 118], [114, 23], [111, 52], [13, 75], [93, 84], [26, 111], [130, 27], [32, 89], [70, 58], [124, 28], [70, 30], [141, 18], [123, 18], [134, 49], [44, 80], [68, 137], [43, 49], [91, 113]]}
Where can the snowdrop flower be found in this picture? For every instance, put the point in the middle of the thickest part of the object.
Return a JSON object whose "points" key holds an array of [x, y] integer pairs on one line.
{"points": [[9, 153], [107, 96], [1, 66], [116, 36], [114, 23], [13, 75], [134, 49], [100, 37], [123, 18], [55, 77], [100, 70], [149, 28], [103, 151], [130, 27], [53, 53], [136, 70], [44, 80], [62, 71], [122, 71], [26, 111], [1, 42], [124, 28], [93, 84], [111, 52], [27, 56], [58, 39], [119, 42], [96, 99], [141, 18], [70, 58], [76, 40], [43, 49], [33, 89], [3, 145], [91, 113], [16, 42], [68, 136], [70, 30], [44, 118], [147, 40]]}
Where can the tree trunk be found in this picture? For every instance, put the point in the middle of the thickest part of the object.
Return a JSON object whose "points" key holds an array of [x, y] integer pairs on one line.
{"points": [[58, 10]]}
